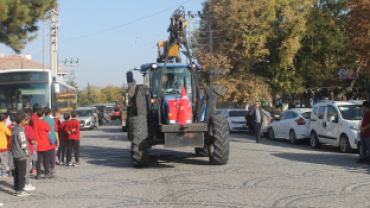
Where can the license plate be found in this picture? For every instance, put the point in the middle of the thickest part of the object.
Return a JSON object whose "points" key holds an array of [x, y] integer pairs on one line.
{"points": [[81, 125]]}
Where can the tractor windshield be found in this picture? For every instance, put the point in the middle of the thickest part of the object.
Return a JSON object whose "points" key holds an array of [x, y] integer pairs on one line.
{"points": [[173, 80]]}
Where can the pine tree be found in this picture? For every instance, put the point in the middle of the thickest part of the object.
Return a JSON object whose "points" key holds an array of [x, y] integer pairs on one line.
{"points": [[18, 20]]}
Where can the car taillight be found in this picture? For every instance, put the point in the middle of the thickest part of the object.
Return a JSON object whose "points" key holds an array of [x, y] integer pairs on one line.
{"points": [[300, 121]]}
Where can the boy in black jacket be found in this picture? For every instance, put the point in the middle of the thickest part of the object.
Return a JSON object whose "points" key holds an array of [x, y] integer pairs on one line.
{"points": [[20, 153]]}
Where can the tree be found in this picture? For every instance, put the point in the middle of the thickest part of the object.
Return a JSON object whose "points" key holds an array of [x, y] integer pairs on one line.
{"points": [[255, 44], [18, 20], [325, 46], [358, 31]]}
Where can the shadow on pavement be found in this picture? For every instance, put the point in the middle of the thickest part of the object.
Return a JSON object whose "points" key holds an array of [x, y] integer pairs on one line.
{"points": [[121, 157], [4, 184], [332, 160], [302, 145]]}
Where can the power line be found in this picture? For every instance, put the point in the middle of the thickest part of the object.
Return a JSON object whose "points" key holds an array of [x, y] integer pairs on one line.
{"points": [[129, 23]]}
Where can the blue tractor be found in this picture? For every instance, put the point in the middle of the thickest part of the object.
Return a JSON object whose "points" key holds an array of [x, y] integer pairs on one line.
{"points": [[153, 105]]}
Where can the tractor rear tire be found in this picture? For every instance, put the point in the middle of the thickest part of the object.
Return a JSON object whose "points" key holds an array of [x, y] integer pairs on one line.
{"points": [[219, 147], [140, 142], [201, 152], [129, 128]]}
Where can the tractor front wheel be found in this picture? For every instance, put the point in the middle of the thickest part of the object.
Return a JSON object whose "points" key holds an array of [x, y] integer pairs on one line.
{"points": [[139, 141], [219, 144]]}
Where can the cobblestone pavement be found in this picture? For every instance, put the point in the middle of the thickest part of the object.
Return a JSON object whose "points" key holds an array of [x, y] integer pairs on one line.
{"points": [[271, 174]]}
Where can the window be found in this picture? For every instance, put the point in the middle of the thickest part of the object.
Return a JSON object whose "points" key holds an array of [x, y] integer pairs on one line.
{"points": [[290, 115], [172, 81], [283, 116], [83, 113], [332, 113], [351, 112], [65, 100], [315, 110], [321, 113], [13, 95], [306, 115], [237, 113]]}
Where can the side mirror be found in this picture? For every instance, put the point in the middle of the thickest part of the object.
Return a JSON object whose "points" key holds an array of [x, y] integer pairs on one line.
{"points": [[130, 77]]}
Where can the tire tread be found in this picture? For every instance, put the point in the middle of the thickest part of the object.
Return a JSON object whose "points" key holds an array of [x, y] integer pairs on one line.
{"points": [[221, 140]]}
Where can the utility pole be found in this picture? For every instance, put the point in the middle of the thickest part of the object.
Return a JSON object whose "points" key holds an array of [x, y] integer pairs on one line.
{"points": [[43, 48], [53, 42], [70, 64]]}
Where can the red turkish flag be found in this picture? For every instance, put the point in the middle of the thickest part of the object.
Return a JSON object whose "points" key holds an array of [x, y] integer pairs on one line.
{"points": [[115, 98], [184, 113]]}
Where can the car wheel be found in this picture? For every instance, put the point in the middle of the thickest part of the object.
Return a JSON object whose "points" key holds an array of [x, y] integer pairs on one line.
{"points": [[292, 138], [314, 141], [271, 133], [344, 145]]}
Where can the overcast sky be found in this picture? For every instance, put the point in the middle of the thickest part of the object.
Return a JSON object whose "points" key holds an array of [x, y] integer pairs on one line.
{"points": [[105, 57]]}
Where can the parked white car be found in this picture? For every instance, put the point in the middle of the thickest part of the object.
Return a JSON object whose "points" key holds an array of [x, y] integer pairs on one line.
{"points": [[293, 124], [336, 122], [236, 119]]}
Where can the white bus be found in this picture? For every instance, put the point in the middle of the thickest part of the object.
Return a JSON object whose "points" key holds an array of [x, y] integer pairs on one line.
{"points": [[35, 86]]}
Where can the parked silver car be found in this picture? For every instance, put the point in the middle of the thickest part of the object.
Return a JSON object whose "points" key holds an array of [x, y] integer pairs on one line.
{"points": [[88, 117]]}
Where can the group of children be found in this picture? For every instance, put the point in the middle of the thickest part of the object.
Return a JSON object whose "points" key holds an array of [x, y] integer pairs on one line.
{"points": [[28, 139]]}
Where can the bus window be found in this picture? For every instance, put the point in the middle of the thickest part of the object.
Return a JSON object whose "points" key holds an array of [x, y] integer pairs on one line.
{"points": [[13, 95]]}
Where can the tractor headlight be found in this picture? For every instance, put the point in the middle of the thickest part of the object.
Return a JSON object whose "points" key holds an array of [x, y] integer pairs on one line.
{"points": [[193, 66], [154, 66]]}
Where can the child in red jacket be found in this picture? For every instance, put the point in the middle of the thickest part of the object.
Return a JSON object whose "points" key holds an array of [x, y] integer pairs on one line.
{"points": [[41, 129], [63, 146], [73, 131]]}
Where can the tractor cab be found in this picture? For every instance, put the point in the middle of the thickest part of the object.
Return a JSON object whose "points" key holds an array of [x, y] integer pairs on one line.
{"points": [[176, 77]]}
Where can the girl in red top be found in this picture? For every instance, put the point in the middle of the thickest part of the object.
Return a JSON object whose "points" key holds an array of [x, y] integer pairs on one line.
{"points": [[63, 146], [41, 129], [34, 117], [73, 130]]}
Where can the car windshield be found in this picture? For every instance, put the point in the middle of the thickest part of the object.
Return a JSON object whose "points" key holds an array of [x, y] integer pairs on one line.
{"points": [[108, 109], [84, 113], [237, 113], [351, 112], [218, 111], [172, 82]]}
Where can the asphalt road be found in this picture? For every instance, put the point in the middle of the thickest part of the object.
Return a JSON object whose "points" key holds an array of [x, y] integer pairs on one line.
{"points": [[272, 174]]}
